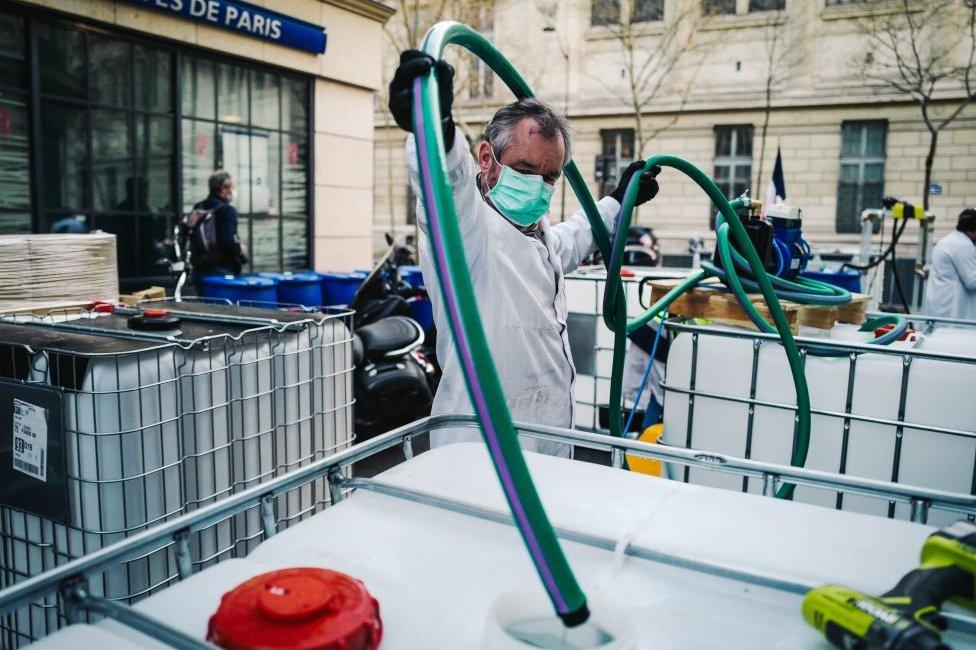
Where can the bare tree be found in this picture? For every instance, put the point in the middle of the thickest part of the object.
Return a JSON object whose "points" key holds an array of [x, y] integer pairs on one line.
{"points": [[780, 58], [925, 51], [650, 61], [405, 32]]}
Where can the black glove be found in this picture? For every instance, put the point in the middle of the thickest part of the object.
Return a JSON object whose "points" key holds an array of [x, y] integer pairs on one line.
{"points": [[647, 189], [413, 64]]}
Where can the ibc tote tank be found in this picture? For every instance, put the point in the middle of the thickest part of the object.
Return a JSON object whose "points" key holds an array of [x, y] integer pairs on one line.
{"points": [[936, 393], [121, 460], [312, 382]]}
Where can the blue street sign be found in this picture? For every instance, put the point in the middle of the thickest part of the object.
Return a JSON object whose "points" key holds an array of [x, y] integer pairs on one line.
{"points": [[935, 189], [245, 18]]}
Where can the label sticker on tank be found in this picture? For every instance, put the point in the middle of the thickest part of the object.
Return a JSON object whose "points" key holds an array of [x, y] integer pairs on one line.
{"points": [[30, 439]]}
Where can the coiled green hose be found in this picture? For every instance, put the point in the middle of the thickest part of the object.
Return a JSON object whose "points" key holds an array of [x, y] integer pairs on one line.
{"points": [[469, 338]]}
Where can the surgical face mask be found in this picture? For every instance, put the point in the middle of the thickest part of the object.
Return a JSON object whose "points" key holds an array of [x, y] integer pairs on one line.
{"points": [[521, 198], [230, 197]]}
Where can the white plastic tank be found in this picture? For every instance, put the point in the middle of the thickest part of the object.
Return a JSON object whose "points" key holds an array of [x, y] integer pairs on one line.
{"points": [[307, 373], [443, 578], [937, 393], [122, 462]]}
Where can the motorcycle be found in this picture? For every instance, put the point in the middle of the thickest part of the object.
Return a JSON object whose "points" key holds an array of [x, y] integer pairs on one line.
{"points": [[396, 371]]}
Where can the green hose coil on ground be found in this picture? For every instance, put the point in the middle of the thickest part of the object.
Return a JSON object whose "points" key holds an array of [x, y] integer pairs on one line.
{"points": [[469, 339]]}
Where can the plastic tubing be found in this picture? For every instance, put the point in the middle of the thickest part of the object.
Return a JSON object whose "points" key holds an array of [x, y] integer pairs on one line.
{"points": [[469, 338], [612, 301], [646, 375]]}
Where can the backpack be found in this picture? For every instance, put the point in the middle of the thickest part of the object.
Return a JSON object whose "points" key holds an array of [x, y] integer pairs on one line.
{"points": [[198, 234]]}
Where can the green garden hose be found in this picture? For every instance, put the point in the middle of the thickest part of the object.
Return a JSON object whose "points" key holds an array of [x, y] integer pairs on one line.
{"points": [[481, 377]]}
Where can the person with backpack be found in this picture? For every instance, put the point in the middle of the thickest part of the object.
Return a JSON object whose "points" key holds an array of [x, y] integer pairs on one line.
{"points": [[210, 233]]}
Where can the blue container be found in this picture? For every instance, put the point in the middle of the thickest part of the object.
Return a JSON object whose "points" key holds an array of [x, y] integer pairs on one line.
{"points": [[240, 287], [845, 279], [338, 288], [298, 288], [423, 312], [412, 275]]}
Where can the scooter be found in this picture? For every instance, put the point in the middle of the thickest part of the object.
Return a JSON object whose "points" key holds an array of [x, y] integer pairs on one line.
{"points": [[395, 374]]}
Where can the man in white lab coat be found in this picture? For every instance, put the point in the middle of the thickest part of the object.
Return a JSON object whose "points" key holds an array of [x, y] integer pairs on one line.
{"points": [[517, 260], [951, 288]]}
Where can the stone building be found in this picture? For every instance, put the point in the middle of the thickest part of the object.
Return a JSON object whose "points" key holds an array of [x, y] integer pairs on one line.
{"points": [[845, 140]]}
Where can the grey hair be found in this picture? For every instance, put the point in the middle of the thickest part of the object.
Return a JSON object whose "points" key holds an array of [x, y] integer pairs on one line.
{"points": [[218, 181], [500, 130]]}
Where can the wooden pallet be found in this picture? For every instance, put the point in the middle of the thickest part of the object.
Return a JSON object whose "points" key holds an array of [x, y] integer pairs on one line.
{"points": [[709, 301]]}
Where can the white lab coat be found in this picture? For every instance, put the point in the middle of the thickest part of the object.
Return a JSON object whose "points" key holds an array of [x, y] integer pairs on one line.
{"points": [[950, 290], [518, 280]]}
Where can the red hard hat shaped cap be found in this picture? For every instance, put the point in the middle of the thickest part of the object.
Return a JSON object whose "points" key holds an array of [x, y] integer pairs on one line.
{"points": [[307, 608]]}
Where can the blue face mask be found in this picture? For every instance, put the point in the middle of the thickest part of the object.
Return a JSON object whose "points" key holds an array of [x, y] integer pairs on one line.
{"points": [[522, 198]]}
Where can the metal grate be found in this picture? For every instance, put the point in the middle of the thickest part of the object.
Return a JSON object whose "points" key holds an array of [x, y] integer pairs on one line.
{"points": [[69, 581], [157, 425]]}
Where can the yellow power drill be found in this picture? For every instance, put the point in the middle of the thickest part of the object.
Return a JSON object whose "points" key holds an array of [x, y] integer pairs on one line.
{"points": [[906, 617]]}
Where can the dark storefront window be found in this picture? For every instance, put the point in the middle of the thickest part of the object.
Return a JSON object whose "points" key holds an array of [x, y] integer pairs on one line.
{"points": [[254, 124], [106, 143], [108, 150], [15, 198]]}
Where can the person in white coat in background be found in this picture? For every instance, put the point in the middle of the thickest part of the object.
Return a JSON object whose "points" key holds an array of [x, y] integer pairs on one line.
{"points": [[516, 259], [950, 290]]}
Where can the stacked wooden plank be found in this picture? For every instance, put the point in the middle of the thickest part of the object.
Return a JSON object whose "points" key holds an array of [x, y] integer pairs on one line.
{"points": [[44, 270]]}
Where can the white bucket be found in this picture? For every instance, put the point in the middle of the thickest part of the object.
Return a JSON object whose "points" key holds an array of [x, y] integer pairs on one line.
{"points": [[523, 620]]}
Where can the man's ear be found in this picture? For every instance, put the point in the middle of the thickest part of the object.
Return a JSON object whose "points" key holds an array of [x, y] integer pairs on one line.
{"points": [[484, 159]]}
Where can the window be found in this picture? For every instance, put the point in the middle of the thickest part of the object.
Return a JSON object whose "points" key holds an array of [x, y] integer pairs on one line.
{"points": [[99, 145], [862, 161], [617, 151], [646, 11], [15, 199], [733, 162], [411, 206], [741, 7], [254, 124], [481, 78], [106, 129], [719, 7], [605, 12], [613, 12], [767, 5]]}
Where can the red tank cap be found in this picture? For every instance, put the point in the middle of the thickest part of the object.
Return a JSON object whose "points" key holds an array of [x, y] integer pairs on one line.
{"points": [[626, 273], [884, 329], [103, 307], [155, 313], [308, 608]]}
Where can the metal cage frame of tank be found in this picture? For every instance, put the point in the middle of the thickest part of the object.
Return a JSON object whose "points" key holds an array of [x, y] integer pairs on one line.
{"points": [[849, 350], [70, 581], [30, 544], [592, 341]]}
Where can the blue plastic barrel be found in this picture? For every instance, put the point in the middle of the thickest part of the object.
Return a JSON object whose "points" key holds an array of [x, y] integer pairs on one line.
{"points": [[240, 287], [338, 287], [412, 275], [298, 288], [843, 278], [423, 312]]}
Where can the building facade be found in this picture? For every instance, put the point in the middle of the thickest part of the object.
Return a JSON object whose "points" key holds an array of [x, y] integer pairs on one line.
{"points": [[702, 69], [113, 114]]}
